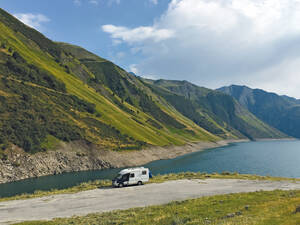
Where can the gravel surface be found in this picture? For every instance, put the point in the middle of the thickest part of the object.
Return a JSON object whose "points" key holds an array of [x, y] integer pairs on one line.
{"points": [[108, 199]]}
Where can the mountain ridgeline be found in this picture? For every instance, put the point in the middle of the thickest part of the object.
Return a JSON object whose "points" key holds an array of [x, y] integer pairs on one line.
{"points": [[52, 93], [281, 112], [216, 112]]}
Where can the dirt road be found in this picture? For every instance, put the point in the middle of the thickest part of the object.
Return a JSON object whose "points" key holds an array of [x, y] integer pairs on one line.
{"points": [[108, 199]]}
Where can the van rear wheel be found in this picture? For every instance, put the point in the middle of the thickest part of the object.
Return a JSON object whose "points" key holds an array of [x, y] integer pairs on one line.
{"points": [[120, 185], [140, 183]]}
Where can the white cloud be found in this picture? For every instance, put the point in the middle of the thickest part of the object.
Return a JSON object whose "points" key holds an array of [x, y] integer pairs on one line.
{"points": [[133, 69], [217, 42], [138, 34], [114, 1], [77, 2], [32, 20], [120, 55], [282, 78], [154, 1], [94, 2]]}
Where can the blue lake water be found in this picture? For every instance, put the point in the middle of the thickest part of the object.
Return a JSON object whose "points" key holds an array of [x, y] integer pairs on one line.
{"points": [[274, 158]]}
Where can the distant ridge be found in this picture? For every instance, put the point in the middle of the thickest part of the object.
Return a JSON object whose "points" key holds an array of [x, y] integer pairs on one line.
{"points": [[281, 112], [216, 112]]}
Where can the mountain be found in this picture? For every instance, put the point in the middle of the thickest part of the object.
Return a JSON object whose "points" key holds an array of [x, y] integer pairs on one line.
{"points": [[52, 93], [63, 108], [217, 112], [281, 112]]}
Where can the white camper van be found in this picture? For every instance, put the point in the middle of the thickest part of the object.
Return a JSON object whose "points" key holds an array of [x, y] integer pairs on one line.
{"points": [[131, 176]]}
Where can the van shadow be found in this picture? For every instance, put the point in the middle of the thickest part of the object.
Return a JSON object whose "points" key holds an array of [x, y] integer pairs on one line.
{"points": [[112, 187], [105, 188]]}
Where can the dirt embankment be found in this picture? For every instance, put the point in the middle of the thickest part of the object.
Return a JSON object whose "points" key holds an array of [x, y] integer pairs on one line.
{"points": [[79, 157]]}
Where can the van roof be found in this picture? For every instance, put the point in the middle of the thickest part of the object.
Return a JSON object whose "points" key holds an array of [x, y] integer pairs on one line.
{"points": [[128, 170]]}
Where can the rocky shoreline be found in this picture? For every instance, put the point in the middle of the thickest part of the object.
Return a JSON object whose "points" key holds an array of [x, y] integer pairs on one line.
{"points": [[81, 157]]}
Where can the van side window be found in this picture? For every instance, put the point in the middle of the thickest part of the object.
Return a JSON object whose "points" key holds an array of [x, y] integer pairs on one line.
{"points": [[125, 177], [132, 175], [144, 172]]}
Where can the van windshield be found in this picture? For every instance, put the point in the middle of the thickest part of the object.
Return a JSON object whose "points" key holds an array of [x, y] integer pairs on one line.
{"points": [[118, 177]]}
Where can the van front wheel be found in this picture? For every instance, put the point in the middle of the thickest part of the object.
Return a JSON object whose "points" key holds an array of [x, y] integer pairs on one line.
{"points": [[140, 183]]}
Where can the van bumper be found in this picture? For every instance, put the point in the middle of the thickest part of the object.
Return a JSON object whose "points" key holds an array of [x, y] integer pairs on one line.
{"points": [[114, 183]]}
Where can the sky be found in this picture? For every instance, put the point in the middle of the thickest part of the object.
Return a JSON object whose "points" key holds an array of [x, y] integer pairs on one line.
{"points": [[211, 43]]}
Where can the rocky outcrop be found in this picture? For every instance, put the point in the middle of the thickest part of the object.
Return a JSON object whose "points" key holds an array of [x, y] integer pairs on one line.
{"points": [[20, 165], [78, 156]]}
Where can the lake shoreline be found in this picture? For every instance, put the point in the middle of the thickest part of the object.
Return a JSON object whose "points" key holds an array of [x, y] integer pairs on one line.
{"points": [[276, 139], [75, 157], [137, 158]]}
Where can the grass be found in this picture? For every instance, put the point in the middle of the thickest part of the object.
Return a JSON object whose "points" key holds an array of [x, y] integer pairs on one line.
{"points": [[156, 179], [75, 189], [50, 142], [223, 175], [259, 208], [110, 113]]}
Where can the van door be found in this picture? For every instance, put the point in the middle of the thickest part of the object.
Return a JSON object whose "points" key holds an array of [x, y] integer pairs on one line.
{"points": [[132, 178], [145, 176], [125, 179]]}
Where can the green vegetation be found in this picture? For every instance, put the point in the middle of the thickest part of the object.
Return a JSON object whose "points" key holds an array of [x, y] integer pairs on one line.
{"points": [[223, 175], [50, 142], [156, 179], [52, 92], [258, 208], [31, 114], [218, 113], [121, 84], [55, 92], [281, 112], [17, 67], [30, 34]]}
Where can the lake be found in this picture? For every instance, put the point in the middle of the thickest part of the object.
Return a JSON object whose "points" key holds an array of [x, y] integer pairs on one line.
{"points": [[274, 158]]}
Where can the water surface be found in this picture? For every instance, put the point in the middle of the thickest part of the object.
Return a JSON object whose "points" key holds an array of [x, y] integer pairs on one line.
{"points": [[274, 158]]}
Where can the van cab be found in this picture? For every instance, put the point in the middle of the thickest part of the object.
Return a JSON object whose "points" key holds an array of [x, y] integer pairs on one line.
{"points": [[131, 176]]}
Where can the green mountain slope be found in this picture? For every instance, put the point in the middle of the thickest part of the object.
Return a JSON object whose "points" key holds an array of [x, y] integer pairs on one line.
{"points": [[51, 92], [281, 112], [216, 112], [56, 92]]}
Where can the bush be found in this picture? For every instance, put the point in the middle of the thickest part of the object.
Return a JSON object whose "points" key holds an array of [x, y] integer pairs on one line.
{"points": [[20, 69]]}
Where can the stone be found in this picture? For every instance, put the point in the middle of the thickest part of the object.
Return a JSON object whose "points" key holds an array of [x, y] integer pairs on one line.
{"points": [[239, 213], [297, 209], [230, 215]]}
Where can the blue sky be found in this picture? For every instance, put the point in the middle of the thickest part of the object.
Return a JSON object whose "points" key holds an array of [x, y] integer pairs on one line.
{"points": [[79, 21], [211, 43]]}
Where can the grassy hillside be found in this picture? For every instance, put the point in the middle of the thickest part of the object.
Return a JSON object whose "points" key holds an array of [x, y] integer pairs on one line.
{"points": [[216, 112], [52, 92], [281, 112]]}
